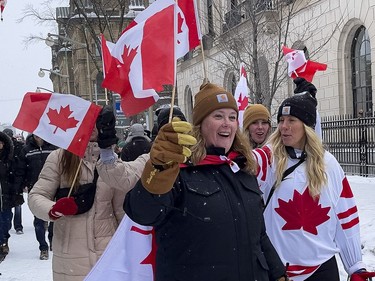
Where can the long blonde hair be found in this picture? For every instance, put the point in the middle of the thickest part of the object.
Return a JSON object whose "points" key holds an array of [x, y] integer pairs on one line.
{"points": [[69, 165], [240, 145], [315, 167]]}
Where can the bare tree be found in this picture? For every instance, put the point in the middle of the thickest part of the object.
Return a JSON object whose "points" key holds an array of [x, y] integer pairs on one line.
{"points": [[253, 32], [83, 19]]}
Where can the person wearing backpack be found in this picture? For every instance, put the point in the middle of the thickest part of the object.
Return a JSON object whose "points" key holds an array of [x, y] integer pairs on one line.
{"points": [[85, 220]]}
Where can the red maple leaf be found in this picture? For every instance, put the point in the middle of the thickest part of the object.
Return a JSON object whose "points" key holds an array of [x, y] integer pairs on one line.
{"points": [[302, 211], [243, 102], [124, 68], [150, 259], [62, 120]]}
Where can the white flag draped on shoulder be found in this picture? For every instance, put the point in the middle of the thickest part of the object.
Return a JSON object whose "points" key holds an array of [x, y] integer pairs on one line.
{"points": [[129, 256], [63, 120], [242, 94]]}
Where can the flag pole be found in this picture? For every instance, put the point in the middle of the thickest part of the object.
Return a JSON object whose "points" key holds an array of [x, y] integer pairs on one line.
{"points": [[175, 66], [75, 177], [205, 79]]}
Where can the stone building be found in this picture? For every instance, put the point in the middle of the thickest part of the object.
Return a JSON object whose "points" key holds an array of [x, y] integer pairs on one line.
{"points": [[337, 33]]}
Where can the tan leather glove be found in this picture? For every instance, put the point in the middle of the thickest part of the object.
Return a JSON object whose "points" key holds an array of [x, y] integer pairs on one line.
{"points": [[167, 152]]}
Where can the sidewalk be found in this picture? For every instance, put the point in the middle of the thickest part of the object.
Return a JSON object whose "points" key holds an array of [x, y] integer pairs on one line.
{"points": [[22, 263]]}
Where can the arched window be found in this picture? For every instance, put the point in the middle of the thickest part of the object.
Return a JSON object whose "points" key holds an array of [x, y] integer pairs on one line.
{"points": [[232, 83], [99, 92], [264, 77], [189, 104], [361, 73]]}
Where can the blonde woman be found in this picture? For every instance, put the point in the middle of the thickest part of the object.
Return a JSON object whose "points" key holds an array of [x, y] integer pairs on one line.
{"points": [[310, 211]]}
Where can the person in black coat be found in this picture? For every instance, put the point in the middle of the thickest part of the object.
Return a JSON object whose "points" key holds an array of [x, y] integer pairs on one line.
{"points": [[17, 219], [136, 144], [31, 161], [7, 192], [204, 203]]}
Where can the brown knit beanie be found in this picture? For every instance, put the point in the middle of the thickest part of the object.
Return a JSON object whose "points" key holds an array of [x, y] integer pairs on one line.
{"points": [[255, 112], [209, 98]]}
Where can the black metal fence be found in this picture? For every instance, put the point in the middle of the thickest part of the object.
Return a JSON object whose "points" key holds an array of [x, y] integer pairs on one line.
{"points": [[352, 141]]}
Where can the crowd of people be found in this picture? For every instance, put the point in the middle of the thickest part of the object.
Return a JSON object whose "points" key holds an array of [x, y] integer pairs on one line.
{"points": [[225, 204]]}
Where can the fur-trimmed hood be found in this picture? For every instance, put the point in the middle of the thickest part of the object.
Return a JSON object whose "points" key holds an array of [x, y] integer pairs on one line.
{"points": [[8, 146]]}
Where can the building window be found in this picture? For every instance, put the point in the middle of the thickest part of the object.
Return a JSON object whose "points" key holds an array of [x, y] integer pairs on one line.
{"points": [[361, 73], [231, 82], [264, 77], [210, 17], [189, 104]]}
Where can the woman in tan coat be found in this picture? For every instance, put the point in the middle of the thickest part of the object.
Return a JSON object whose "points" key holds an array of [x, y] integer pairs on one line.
{"points": [[80, 239]]}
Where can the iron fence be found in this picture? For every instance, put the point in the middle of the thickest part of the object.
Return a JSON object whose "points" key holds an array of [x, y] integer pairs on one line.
{"points": [[352, 141]]}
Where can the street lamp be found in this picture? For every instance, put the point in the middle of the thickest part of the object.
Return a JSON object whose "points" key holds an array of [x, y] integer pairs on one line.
{"points": [[38, 90], [41, 74], [50, 41]]}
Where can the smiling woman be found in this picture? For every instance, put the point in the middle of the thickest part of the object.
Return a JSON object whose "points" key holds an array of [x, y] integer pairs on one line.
{"points": [[196, 186], [309, 202]]}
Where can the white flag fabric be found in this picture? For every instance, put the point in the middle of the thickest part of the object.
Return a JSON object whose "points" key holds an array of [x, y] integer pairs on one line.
{"points": [[295, 59], [129, 256], [242, 94], [143, 59], [63, 120]]}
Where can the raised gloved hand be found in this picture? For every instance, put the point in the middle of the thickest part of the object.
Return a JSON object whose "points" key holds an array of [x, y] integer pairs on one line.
{"points": [[167, 152], [105, 123], [63, 207], [302, 85], [362, 275]]}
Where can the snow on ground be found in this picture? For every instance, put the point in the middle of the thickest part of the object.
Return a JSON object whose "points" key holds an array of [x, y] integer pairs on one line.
{"points": [[23, 264]]}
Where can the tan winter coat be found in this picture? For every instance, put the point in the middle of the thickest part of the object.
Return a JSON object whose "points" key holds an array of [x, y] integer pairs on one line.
{"points": [[78, 241]]}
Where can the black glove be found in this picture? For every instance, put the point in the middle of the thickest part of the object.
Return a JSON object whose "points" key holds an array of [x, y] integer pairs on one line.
{"points": [[105, 123], [304, 86]]}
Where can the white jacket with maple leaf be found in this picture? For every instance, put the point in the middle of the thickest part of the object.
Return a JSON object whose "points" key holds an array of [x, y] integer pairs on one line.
{"points": [[307, 232]]}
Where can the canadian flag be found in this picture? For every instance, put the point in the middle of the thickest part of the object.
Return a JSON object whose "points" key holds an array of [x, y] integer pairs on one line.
{"points": [[106, 54], [298, 66], [242, 94], [66, 121], [188, 33], [294, 58], [188, 30], [130, 255], [2, 7], [142, 60]]}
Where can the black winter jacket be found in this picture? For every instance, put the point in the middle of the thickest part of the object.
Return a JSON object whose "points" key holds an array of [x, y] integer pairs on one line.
{"points": [[30, 162], [209, 227], [136, 147], [7, 190]]}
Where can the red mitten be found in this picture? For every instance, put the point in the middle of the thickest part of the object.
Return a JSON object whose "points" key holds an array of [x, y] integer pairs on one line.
{"points": [[362, 276], [64, 207]]}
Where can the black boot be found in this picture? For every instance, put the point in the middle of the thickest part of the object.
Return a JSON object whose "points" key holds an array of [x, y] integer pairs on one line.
{"points": [[5, 248], [2, 255]]}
